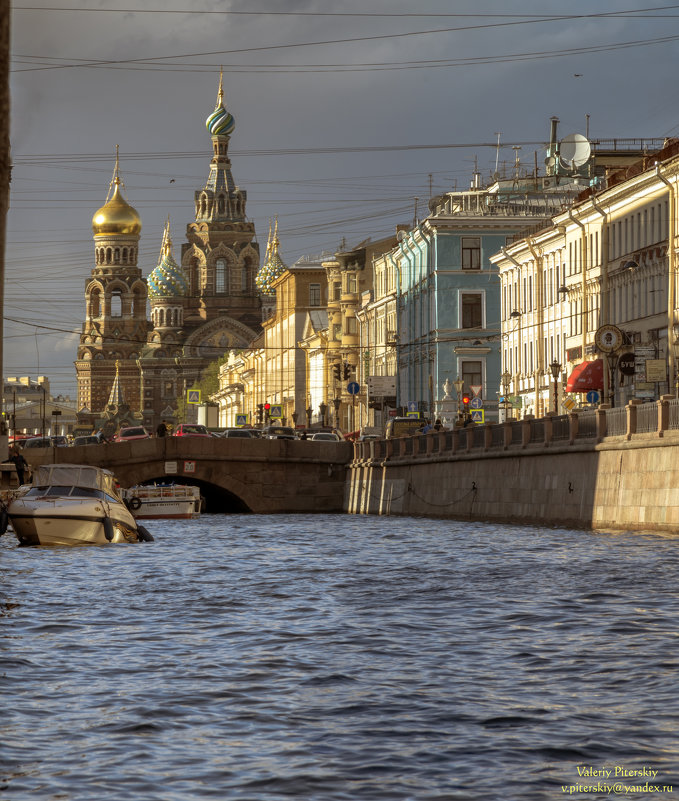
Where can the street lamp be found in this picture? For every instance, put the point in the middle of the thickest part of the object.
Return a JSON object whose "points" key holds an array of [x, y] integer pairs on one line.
{"points": [[506, 379], [459, 384], [55, 415], [324, 410], [555, 367], [337, 402], [309, 412]]}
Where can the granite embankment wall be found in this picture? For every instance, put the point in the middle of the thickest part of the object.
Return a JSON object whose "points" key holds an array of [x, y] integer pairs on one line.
{"points": [[613, 469]]}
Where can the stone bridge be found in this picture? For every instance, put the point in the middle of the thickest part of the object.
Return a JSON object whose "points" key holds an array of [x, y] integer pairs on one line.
{"points": [[234, 475]]}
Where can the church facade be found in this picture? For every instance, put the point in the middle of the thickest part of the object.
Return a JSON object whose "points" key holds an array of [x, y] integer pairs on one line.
{"points": [[203, 304]]}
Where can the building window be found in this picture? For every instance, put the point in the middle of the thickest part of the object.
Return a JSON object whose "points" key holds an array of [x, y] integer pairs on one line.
{"points": [[314, 294], [220, 275], [336, 291], [472, 374], [472, 310], [471, 253]]}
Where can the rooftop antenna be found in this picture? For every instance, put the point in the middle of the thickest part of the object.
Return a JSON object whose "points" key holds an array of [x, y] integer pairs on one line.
{"points": [[517, 160], [574, 151], [497, 154], [587, 125], [415, 220]]}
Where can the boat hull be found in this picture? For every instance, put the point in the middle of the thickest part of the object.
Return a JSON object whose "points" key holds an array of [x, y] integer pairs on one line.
{"points": [[72, 523], [171, 502]]}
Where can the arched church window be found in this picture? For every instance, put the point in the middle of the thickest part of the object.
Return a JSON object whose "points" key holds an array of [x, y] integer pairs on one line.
{"points": [[124, 255], [109, 255], [220, 204], [220, 275], [95, 304], [116, 256], [116, 303], [244, 278], [203, 205], [193, 277]]}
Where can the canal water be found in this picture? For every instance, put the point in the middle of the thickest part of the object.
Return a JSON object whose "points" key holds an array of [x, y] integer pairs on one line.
{"points": [[340, 658]]}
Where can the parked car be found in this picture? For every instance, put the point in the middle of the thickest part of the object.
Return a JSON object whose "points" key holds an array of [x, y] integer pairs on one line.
{"points": [[367, 437], [326, 436], [279, 432], [87, 439], [131, 432], [60, 441], [191, 430], [38, 442], [242, 433]]}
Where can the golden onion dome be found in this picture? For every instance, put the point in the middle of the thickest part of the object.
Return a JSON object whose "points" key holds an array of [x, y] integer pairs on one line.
{"points": [[116, 216]]}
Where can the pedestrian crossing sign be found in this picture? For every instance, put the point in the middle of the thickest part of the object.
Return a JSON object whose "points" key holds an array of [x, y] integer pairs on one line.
{"points": [[193, 396], [276, 412], [477, 415], [241, 419]]}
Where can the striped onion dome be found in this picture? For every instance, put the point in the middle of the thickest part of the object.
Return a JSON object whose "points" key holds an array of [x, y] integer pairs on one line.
{"points": [[221, 121], [168, 279]]}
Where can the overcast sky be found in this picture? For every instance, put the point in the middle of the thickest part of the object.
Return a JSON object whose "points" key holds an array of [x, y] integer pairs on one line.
{"points": [[345, 112]]}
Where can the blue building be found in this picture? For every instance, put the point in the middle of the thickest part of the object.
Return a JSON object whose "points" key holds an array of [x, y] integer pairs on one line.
{"points": [[447, 292]]}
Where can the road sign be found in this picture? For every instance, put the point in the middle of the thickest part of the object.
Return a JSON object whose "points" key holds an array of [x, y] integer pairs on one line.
{"points": [[353, 388], [476, 388], [382, 385], [592, 396], [189, 467], [193, 396], [477, 415], [276, 412], [413, 414], [241, 419], [412, 406], [476, 402]]}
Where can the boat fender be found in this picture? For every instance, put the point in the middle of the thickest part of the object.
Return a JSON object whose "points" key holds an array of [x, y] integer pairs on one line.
{"points": [[143, 534], [135, 503], [4, 521], [108, 528]]}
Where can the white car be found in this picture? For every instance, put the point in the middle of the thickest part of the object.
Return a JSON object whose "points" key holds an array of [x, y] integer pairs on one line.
{"points": [[327, 436]]}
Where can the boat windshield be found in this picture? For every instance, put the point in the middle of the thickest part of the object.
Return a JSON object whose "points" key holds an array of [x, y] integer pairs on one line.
{"points": [[66, 492]]}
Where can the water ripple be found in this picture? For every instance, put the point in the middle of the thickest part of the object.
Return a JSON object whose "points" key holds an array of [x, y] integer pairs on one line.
{"points": [[336, 658]]}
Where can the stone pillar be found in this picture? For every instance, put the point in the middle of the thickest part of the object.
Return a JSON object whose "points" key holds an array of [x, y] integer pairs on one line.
{"points": [[572, 427], [632, 416], [507, 438], [664, 414], [601, 425]]}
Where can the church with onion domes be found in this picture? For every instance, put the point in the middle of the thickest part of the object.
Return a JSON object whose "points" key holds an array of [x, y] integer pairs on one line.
{"points": [[203, 302]]}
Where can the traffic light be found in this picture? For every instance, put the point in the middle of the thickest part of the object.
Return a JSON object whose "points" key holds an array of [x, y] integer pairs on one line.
{"points": [[260, 412], [267, 406], [337, 372], [465, 402], [347, 372]]}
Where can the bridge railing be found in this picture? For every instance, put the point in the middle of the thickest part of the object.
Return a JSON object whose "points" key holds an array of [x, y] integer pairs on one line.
{"points": [[635, 419]]}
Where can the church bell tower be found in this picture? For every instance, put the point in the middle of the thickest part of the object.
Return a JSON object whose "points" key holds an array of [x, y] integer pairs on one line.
{"points": [[115, 324]]}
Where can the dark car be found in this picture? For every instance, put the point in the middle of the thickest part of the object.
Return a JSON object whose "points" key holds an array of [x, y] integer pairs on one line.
{"points": [[87, 439], [241, 433], [191, 430], [279, 432]]}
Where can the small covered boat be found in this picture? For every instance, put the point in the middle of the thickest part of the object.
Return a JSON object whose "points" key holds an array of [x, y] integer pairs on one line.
{"points": [[70, 504], [168, 501]]}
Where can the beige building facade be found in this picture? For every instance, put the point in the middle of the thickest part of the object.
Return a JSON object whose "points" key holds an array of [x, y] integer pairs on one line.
{"points": [[604, 270]]}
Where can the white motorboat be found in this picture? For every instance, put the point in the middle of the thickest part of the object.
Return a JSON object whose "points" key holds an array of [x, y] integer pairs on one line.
{"points": [[169, 501], [70, 504]]}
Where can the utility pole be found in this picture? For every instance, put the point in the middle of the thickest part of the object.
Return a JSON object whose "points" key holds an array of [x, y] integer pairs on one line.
{"points": [[5, 175]]}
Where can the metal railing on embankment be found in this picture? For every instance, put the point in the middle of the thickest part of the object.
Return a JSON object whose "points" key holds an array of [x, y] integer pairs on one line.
{"points": [[559, 430]]}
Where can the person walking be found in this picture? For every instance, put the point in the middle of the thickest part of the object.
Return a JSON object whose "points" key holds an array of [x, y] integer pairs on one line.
{"points": [[161, 430], [20, 464]]}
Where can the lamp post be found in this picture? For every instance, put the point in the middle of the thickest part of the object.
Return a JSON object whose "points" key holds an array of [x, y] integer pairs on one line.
{"points": [[506, 379], [309, 412], [555, 368], [337, 403], [459, 384], [324, 410], [55, 415]]}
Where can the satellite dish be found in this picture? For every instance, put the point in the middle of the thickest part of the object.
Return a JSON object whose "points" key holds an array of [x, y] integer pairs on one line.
{"points": [[574, 151]]}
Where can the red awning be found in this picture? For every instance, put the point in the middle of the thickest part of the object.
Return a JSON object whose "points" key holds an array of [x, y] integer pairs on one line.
{"points": [[586, 376]]}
